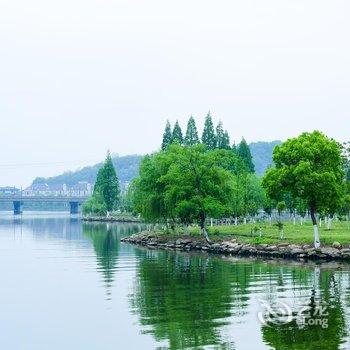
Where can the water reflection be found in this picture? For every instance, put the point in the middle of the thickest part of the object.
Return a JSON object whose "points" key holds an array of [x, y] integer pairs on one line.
{"points": [[155, 299], [189, 300], [105, 238], [185, 300], [325, 324]]}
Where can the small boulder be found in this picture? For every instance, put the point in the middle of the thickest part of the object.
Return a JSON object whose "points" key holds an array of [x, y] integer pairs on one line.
{"points": [[336, 245]]}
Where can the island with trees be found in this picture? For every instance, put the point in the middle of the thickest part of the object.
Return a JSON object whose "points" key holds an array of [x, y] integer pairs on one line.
{"points": [[202, 192]]}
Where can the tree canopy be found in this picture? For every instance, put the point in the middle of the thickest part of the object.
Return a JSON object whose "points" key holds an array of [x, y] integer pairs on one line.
{"points": [[187, 184], [177, 134], [191, 137], [167, 136], [208, 136], [107, 185], [244, 152], [310, 168]]}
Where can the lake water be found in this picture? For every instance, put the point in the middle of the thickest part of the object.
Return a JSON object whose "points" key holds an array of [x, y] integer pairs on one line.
{"points": [[67, 285]]}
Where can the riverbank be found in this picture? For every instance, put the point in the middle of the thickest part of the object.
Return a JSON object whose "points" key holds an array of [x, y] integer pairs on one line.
{"points": [[111, 219], [232, 246]]}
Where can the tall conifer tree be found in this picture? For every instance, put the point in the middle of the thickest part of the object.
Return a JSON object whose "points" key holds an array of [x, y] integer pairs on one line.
{"points": [[219, 135], [177, 134], [244, 151], [225, 143], [208, 136], [107, 184], [191, 137], [167, 136]]}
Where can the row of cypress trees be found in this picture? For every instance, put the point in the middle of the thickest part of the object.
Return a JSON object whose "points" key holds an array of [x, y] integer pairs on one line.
{"points": [[212, 138]]}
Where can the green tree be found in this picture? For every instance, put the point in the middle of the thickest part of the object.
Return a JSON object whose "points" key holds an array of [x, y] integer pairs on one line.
{"points": [[234, 148], [177, 134], [244, 152], [310, 168], [107, 185], [191, 137], [95, 205], [222, 137], [148, 194], [167, 136], [197, 185], [208, 136], [186, 184], [225, 143]]}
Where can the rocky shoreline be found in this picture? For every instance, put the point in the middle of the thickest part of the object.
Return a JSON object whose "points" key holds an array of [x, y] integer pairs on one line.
{"points": [[234, 248]]}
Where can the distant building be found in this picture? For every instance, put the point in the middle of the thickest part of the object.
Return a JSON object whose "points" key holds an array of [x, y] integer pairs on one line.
{"points": [[9, 191], [81, 189]]}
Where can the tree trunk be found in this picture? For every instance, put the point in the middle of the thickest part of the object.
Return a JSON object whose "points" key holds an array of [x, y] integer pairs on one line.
{"points": [[329, 223], [211, 222], [236, 221], [281, 233], [316, 234], [245, 221], [320, 222], [203, 228], [294, 220]]}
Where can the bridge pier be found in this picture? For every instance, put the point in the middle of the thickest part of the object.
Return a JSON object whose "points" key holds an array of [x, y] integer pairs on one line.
{"points": [[17, 207], [74, 207]]}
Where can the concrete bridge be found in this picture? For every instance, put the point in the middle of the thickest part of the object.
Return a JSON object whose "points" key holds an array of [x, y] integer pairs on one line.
{"points": [[18, 200]]}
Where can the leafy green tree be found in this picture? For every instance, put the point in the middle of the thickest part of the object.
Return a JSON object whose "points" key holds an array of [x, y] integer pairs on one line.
{"points": [[95, 205], [244, 151], [107, 185], [191, 137], [208, 136], [167, 136], [248, 195], [177, 134], [126, 201], [186, 184], [148, 195], [281, 207], [268, 205], [310, 168], [197, 185], [346, 156]]}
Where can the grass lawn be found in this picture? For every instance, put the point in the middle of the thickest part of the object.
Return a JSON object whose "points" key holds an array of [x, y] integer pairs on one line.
{"points": [[299, 234]]}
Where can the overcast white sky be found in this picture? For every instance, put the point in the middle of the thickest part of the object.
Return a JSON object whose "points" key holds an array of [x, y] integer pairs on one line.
{"points": [[80, 76]]}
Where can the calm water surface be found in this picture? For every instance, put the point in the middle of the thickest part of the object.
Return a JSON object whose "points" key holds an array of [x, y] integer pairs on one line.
{"points": [[70, 285]]}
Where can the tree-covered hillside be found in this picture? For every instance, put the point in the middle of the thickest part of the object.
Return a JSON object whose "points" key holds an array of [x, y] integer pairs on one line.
{"points": [[128, 166], [262, 154], [127, 169]]}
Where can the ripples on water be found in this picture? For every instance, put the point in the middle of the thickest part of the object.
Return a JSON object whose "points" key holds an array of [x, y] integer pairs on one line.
{"points": [[72, 285]]}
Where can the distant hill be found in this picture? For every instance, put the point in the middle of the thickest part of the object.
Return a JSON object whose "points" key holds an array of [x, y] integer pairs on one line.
{"points": [[128, 166], [262, 154]]}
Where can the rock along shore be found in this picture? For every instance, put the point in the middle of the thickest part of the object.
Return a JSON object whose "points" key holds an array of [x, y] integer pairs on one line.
{"points": [[232, 247]]}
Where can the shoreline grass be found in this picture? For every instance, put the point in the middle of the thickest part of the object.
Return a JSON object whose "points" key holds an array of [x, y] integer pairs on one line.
{"points": [[298, 234]]}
